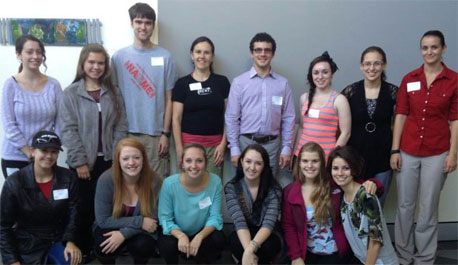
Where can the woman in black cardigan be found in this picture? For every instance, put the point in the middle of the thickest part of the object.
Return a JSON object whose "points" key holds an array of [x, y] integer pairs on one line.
{"points": [[372, 102]]}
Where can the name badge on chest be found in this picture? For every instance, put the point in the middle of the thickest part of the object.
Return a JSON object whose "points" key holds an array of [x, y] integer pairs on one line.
{"points": [[314, 113], [277, 100], [413, 86], [195, 86], [157, 61], [205, 202], [61, 194]]}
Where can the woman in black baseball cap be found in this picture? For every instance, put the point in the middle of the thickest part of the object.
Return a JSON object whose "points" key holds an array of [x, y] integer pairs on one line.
{"points": [[38, 209]]}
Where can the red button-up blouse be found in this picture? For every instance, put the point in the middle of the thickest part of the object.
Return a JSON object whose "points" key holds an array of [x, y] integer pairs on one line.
{"points": [[426, 131]]}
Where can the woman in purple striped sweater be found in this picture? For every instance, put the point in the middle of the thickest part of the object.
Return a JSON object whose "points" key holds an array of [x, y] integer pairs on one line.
{"points": [[29, 104]]}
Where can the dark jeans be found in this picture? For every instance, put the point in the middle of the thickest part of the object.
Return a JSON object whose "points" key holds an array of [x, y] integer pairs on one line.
{"points": [[266, 253], [141, 246], [209, 250], [56, 255], [12, 164], [86, 204]]}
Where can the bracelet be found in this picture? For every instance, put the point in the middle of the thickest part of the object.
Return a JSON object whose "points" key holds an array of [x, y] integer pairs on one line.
{"points": [[165, 133], [395, 151], [255, 244]]}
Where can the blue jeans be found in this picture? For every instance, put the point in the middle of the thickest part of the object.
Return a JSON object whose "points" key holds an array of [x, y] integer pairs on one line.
{"points": [[56, 255], [384, 177]]}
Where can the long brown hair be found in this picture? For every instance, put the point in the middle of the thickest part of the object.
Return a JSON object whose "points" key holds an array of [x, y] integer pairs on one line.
{"points": [[144, 186], [321, 196], [105, 78]]}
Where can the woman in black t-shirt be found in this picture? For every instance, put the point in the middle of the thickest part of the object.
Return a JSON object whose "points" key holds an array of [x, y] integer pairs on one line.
{"points": [[199, 101]]}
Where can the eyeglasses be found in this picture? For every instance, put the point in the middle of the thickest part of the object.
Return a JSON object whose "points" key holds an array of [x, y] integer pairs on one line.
{"points": [[376, 64], [47, 138], [260, 50]]}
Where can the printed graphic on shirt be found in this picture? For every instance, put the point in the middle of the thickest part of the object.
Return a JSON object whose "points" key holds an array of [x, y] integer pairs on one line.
{"points": [[140, 78], [204, 91]]}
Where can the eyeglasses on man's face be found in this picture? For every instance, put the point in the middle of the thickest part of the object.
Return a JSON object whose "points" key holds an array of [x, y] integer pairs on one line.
{"points": [[260, 50]]}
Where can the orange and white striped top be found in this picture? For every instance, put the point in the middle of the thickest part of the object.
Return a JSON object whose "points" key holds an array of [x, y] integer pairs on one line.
{"points": [[319, 126]]}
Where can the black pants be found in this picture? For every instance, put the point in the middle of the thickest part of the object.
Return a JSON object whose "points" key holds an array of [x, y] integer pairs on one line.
{"points": [[86, 215], [12, 164], [266, 253], [210, 249], [141, 246], [312, 258]]}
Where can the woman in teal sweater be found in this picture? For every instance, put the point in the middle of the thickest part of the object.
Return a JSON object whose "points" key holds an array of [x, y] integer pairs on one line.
{"points": [[190, 211]]}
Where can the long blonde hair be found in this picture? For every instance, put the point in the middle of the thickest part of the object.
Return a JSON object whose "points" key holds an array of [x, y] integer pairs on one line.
{"points": [[321, 196], [144, 186]]}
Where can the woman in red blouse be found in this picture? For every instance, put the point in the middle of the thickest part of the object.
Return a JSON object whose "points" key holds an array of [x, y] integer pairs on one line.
{"points": [[424, 148]]}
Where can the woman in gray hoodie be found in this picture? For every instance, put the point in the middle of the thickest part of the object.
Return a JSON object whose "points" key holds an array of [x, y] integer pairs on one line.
{"points": [[92, 120]]}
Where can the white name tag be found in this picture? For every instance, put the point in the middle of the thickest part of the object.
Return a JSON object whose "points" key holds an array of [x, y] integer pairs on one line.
{"points": [[336, 191], [314, 113], [205, 202], [413, 86], [277, 100], [195, 86], [99, 107], [10, 170], [157, 61], [60, 194]]}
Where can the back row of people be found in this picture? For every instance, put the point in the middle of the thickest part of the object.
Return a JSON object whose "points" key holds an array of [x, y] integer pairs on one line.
{"points": [[260, 110]]}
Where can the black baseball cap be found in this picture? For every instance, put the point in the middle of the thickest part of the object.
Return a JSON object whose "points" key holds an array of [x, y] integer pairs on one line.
{"points": [[46, 139]]}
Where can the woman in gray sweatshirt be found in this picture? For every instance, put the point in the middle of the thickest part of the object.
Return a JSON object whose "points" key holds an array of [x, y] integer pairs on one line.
{"points": [[126, 206], [92, 120]]}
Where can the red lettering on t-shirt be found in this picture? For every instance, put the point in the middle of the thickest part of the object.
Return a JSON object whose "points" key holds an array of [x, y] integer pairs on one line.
{"points": [[140, 78]]}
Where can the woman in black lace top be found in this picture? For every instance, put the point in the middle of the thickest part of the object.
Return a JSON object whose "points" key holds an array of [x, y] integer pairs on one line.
{"points": [[372, 102]]}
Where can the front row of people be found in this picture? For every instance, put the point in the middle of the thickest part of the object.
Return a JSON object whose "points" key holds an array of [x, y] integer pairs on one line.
{"points": [[326, 211]]}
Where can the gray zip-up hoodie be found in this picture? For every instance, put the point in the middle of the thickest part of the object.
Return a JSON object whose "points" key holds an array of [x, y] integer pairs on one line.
{"points": [[79, 124]]}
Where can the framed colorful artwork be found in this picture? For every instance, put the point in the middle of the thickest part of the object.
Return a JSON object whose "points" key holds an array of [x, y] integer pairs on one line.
{"points": [[58, 32]]}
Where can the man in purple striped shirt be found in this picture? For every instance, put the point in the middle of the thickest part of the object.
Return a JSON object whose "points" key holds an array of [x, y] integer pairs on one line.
{"points": [[260, 107]]}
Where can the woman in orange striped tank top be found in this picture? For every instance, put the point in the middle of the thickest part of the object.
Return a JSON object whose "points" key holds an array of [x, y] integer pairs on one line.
{"points": [[324, 111]]}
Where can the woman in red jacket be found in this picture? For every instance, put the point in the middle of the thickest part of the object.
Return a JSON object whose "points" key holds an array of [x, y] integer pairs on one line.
{"points": [[311, 218]]}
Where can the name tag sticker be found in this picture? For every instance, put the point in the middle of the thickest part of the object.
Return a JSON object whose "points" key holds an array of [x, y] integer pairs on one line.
{"points": [[277, 100], [413, 86], [11, 170], [195, 86], [205, 202], [99, 107], [314, 113], [157, 61], [60, 194]]}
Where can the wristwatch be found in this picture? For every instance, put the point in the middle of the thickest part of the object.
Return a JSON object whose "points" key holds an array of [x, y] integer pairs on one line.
{"points": [[396, 151], [165, 133]]}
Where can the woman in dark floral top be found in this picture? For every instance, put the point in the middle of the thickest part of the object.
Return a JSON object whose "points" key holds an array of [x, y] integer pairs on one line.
{"points": [[362, 216]]}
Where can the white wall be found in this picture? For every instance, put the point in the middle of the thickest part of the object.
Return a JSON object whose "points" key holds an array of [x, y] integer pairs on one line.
{"points": [[61, 61]]}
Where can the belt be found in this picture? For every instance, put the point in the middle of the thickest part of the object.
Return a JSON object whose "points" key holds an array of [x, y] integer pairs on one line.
{"points": [[260, 139]]}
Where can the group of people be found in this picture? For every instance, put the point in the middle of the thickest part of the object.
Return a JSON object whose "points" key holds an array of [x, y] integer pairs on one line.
{"points": [[115, 121]]}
